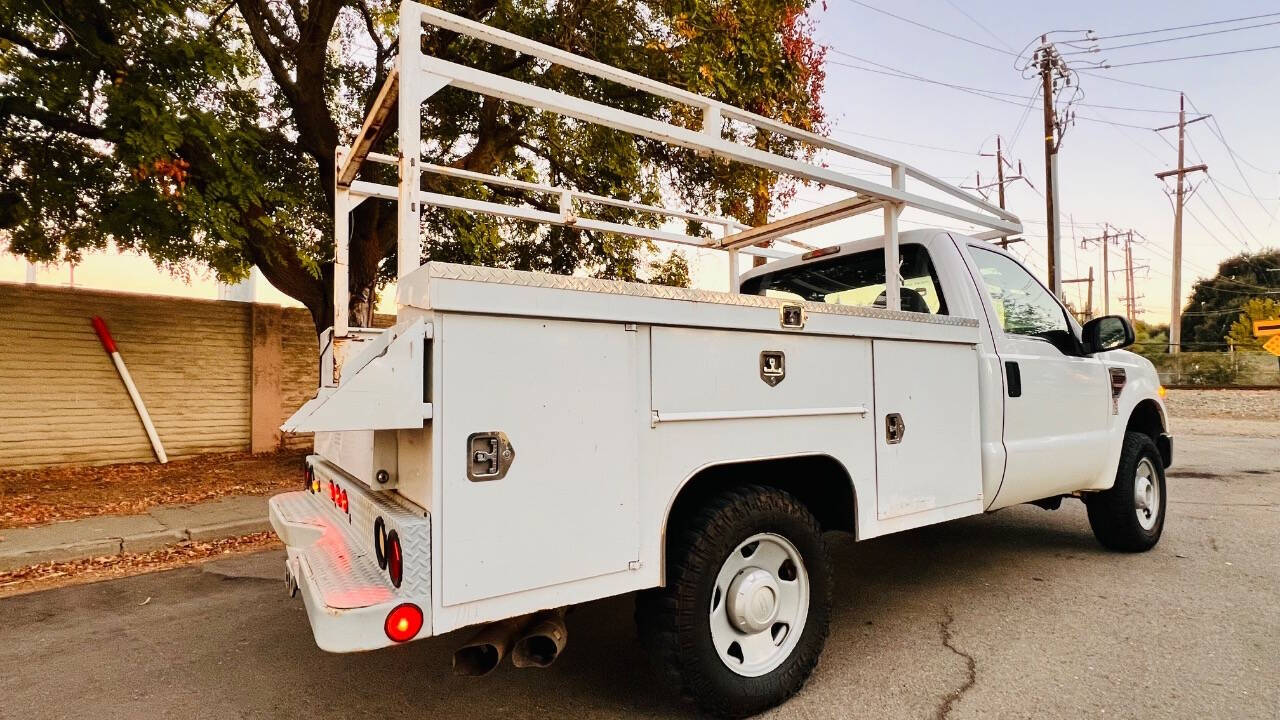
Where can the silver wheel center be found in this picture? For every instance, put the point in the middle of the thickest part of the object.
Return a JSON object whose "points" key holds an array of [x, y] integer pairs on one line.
{"points": [[759, 604], [1146, 494], [753, 600]]}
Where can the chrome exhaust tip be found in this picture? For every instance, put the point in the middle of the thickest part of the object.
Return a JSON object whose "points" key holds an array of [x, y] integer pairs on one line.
{"points": [[483, 653], [542, 641]]}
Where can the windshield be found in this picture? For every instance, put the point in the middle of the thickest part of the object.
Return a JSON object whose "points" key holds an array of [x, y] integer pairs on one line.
{"points": [[856, 279]]}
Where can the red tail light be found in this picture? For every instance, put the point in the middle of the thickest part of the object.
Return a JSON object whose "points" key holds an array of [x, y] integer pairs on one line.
{"points": [[342, 501], [395, 558], [403, 622]]}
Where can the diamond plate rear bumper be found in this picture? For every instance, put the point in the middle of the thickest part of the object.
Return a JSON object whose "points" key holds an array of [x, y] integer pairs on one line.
{"points": [[332, 563]]}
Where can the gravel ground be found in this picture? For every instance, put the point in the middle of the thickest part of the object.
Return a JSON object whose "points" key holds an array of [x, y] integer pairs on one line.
{"points": [[1239, 404]]}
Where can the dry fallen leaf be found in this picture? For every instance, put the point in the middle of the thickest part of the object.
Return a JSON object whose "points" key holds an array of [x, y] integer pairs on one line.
{"points": [[46, 495], [50, 575]]}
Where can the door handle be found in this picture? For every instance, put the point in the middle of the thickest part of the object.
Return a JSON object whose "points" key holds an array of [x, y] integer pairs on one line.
{"points": [[1013, 376], [894, 428]]}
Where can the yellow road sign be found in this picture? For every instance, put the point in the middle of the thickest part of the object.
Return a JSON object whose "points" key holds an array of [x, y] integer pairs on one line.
{"points": [[1262, 328], [1273, 345]]}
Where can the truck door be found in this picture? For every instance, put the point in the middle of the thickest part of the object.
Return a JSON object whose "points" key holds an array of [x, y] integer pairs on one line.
{"points": [[1057, 402], [563, 505]]}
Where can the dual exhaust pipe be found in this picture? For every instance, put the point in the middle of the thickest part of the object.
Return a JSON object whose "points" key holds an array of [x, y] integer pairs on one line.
{"points": [[534, 640]]}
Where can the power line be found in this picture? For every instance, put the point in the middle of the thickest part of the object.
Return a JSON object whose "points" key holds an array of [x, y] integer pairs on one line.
{"points": [[906, 74], [1109, 66], [1186, 27], [909, 21], [1226, 202], [1235, 161], [904, 142], [887, 69], [1127, 82], [1127, 108], [1217, 131], [984, 28], [1026, 113], [988, 94], [1172, 39]]}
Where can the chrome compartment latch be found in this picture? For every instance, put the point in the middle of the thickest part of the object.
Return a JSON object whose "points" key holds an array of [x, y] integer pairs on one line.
{"points": [[489, 456]]}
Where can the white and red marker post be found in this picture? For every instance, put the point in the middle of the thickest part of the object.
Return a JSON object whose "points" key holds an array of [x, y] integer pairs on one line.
{"points": [[109, 344]]}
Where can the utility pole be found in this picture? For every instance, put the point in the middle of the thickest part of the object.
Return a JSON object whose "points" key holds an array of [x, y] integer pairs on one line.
{"points": [[1130, 298], [1000, 183], [1106, 271], [1001, 180], [1087, 312], [1088, 303], [1000, 170], [1175, 304], [1051, 64]]}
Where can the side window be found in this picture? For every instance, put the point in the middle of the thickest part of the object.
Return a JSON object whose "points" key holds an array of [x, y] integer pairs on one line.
{"points": [[1023, 306]]}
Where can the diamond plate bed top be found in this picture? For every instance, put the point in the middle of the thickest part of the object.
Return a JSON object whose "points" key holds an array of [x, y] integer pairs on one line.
{"points": [[522, 278]]}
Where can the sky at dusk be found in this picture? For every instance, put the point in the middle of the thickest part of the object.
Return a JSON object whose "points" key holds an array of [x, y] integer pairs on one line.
{"points": [[1108, 157]]}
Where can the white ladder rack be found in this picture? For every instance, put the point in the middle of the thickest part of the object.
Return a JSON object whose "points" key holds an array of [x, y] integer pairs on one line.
{"points": [[418, 76]]}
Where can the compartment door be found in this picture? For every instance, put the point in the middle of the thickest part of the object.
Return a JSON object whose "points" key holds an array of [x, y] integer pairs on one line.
{"points": [[568, 398], [927, 447]]}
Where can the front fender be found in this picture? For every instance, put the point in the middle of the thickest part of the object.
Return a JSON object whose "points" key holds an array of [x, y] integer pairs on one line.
{"points": [[1141, 389]]}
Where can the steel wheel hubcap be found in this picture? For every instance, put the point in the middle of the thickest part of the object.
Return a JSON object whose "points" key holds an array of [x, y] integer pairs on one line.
{"points": [[759, 604], [1146, 494]]}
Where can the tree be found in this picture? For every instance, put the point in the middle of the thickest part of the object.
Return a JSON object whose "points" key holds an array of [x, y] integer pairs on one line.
{"points": [[1241, 332], [1217, 302], [1150, 341], [203, 132]]}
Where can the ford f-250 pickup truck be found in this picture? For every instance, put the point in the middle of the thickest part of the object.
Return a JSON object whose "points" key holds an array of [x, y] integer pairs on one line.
{"points": [[520, 442]]}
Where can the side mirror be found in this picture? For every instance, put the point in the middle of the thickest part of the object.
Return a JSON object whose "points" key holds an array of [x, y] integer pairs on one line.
{"points": [[1109, 332]]}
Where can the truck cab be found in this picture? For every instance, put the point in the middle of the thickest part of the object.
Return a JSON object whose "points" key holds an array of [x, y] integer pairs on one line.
{"points": [[1051, 394]]}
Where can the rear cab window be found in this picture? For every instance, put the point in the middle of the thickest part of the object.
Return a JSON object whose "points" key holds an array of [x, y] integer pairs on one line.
{"points": [[856, 279]]}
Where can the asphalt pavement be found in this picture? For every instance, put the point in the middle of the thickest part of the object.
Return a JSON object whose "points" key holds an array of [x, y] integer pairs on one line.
{"points": [[1018, 614]]}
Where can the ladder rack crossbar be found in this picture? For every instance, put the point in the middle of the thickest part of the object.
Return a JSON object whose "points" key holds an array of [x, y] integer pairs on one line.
{"points": [[504, 88], [361, 189], [430, 17]]}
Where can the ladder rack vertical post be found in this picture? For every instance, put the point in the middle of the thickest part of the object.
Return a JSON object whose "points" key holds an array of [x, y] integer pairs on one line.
{"points": [[408, 217], [734, 271], [892, 281], [341, 252]]}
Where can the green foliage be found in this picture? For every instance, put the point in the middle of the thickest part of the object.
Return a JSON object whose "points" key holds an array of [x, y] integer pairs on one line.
{"points": [[202, 132], [673, 271], [1217, 302], [1241, 332], [129, 123], [1150, 341]]}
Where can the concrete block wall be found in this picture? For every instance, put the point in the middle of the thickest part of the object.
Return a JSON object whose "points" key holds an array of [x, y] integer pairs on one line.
{"points": [[215, 376]]}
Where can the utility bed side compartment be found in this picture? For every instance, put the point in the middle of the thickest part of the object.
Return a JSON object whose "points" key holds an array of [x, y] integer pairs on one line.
{"points": [[571, 399], [928, 460], [700, 372]]}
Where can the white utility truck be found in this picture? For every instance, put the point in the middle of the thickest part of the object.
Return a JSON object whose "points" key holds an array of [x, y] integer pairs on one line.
{"points": [[519, 442]]}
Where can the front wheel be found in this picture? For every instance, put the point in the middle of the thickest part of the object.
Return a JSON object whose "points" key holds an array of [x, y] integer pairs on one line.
{"points": [[743, 617], [1130, 516]]}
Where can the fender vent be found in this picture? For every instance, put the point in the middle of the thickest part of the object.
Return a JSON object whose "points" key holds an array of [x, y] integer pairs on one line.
{"points": [[1117, 385]]}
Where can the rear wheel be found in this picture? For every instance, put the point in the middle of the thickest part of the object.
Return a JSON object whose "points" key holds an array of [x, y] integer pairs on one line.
{"points": [[1130, 516], [743, 618]]}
